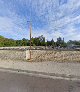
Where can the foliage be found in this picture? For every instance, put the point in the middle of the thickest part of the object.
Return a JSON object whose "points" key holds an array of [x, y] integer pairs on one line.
{"points": [[37, 41]]}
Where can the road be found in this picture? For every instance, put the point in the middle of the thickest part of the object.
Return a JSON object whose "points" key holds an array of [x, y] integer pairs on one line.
{"points": [[16, 82]]}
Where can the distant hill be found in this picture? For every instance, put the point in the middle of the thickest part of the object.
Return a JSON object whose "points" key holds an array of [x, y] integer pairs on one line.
{"points": [[1, 37], [6, 42]]}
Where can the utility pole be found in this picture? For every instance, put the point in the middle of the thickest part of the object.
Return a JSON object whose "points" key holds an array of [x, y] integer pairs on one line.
{"points": [[30, 38], [30, 28], [30, 22]]}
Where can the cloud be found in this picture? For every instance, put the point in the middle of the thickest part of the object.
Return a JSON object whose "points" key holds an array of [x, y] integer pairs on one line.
{"points": [[51, 18]]}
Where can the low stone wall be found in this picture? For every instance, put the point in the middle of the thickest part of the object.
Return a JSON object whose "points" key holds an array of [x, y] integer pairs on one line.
{"points": [[51, 55], [12, 54], [40, 55]]}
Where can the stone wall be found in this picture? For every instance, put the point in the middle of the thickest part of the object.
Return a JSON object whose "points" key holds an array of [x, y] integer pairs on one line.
{"points": [[51, 55], [40, 55], [12, 54]]}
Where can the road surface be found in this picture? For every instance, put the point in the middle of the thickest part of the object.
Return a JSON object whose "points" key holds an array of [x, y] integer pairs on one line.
{"points": [[16, 82]]}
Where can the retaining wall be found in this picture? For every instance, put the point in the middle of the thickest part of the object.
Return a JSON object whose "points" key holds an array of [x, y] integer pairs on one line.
{"points": [[51, 55], [40, 55], [14, 54]]}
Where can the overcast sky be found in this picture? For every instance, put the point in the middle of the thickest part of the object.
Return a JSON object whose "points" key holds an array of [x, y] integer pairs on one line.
{"points": [[51, 18]]}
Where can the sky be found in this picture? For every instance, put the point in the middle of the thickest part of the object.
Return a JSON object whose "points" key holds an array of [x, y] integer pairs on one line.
{"points": [[50, 18]]}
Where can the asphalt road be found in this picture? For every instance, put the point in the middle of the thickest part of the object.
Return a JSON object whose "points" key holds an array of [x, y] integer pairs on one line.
{"points": [[14, 82]]}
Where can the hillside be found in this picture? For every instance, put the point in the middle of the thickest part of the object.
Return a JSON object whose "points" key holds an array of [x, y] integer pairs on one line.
{"points": [[6, 42]]}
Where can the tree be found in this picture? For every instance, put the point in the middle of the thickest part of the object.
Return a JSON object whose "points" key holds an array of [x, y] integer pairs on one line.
{"points": [[38, 41], [18, 43], [23, 42], [52, 42], [60, 42]]}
